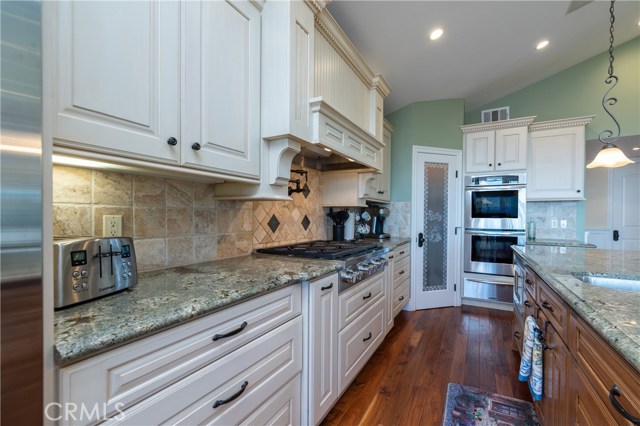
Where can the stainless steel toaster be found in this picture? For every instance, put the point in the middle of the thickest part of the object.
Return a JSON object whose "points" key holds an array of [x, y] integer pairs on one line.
{"points": [[88, 268]]}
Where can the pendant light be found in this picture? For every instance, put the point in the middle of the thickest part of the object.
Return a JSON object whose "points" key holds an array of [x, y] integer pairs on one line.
{"points": [[610, 155]]}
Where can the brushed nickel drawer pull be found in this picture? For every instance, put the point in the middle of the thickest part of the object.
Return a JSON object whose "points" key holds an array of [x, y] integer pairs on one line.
{"points": [[231, 333]]}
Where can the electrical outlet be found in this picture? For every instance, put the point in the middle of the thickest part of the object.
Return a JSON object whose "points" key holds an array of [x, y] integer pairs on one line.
{"points": [[112, 225], [554, 223], [563, 223]]}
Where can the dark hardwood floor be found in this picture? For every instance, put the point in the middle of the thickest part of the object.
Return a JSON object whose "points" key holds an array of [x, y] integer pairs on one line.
{"points": [[405, 381]]}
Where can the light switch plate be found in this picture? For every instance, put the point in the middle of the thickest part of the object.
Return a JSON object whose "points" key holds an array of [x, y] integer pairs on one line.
{"points": [[554, 223]]}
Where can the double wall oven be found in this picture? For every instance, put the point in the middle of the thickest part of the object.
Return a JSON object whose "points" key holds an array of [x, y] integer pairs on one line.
{"points": [[495, 219]]}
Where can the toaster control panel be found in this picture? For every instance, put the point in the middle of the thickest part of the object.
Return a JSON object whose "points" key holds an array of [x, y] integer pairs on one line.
{"points": [[89, 268]]}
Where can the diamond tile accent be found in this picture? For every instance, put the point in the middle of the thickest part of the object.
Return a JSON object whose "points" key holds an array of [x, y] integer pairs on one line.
{"points": [[306, 190], [273, 223], [305, 222]]}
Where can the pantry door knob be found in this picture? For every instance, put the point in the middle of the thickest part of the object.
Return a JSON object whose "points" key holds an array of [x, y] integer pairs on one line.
{"points": [[172, 141], [196, 146]]}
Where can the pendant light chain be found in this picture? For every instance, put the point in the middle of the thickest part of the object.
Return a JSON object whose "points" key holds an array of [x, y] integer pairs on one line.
{"points": [[608, 137], [612, 20]]}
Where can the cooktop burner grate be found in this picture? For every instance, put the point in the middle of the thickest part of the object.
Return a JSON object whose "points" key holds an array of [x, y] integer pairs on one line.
{"points": [[330, 250]]}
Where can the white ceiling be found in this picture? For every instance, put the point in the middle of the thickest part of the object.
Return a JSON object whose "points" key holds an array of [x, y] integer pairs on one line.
{"points": [[488, 47]]}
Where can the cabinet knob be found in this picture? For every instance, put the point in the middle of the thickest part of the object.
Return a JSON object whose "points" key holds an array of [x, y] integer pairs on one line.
{"points": [[380, 192], [490, 164], [577, 190], [196, 146], [172, 141], [499, 164]]}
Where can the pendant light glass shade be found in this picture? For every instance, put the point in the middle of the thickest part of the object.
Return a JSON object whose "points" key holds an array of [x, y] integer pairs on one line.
{"points": [[609, 156]]}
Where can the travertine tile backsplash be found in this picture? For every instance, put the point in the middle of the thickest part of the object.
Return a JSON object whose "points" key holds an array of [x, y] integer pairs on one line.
{"points": [[178, 222], [543, 212]]}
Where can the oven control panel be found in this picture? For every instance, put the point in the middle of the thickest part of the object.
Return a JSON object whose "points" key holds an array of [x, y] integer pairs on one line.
{"points": [[89, 268]]}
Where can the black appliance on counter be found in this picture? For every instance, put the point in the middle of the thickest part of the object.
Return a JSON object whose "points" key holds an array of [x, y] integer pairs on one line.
{"points": [[360, 259], [374, 217]]}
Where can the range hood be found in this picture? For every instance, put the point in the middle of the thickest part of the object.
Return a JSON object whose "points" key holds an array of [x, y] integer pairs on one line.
{"points": [[339, 144]]}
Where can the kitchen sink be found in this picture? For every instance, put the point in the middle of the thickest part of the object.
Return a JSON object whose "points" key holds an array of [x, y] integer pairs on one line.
{"points": [[602, 280]]}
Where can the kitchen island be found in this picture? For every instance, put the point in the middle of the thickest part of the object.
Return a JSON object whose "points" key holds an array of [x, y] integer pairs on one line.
{"points": [[170, 297], [614, 314]]}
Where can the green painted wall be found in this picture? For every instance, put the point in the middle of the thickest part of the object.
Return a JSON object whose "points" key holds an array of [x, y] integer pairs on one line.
{"points": [[433, 123], [578, 91]]}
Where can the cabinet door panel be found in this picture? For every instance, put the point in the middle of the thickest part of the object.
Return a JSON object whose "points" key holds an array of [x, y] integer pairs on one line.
{"points": [[323, 351], [223, 87], [479, 151], [511, 149], [556, 165], [118, 81]]}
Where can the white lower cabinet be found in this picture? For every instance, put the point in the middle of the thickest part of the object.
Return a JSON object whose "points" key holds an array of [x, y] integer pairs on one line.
{"points": [[228, 391], [358, 341], [177, 376], [320, 384], [400, 279]]}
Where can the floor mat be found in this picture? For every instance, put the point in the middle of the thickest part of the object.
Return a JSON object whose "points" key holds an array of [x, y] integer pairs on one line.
{"points": [[469, 406]]}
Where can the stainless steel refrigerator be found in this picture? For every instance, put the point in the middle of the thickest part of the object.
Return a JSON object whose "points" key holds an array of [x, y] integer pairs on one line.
{"points": [[21, 323]]}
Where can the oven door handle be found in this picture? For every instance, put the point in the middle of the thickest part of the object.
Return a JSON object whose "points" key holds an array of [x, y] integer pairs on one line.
{"points": [[496, 233], [495, 187]]}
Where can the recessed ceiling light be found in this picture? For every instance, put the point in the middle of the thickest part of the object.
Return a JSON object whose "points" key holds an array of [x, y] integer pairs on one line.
{"points": [[636, 148], [542, 44], [436, 34], [327, 149]]}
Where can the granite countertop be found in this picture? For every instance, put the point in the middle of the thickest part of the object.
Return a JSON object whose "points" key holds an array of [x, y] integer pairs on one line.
{"points": [[559, 243], [169, 297], [614, 314], [391, 243]]}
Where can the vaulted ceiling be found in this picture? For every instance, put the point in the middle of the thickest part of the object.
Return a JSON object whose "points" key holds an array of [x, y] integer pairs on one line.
{"points": [[488, 48]]}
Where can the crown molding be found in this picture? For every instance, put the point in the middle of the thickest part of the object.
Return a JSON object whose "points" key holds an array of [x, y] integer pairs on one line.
{"points": [[561, 123], [381, 85], [331, 31], [387, 125], [317, 5], [497, 125]]}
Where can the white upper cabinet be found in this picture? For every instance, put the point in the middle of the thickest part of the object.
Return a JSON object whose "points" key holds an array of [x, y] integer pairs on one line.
{"points": [[381, 185], [557, 160], [159, 82], [222, 87], [496, 146], [116, 84]]}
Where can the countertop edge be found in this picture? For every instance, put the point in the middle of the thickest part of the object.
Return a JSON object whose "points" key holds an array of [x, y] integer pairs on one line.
{"points": [[68, 353], [607, 331]]}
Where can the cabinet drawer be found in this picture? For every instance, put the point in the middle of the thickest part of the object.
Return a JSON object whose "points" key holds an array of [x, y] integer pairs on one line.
{"points": [[131, 373], [400, 296], [358, 298], [251, 374], [603, 368], [517, 334], [401, 252], [283, 408], [357, 342], [401, 270], [530, 279], [554, 308], [585, 407]]}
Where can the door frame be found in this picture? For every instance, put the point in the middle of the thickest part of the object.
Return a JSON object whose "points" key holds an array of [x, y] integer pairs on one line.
{"points": [[456, 216], [595, 235]]}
